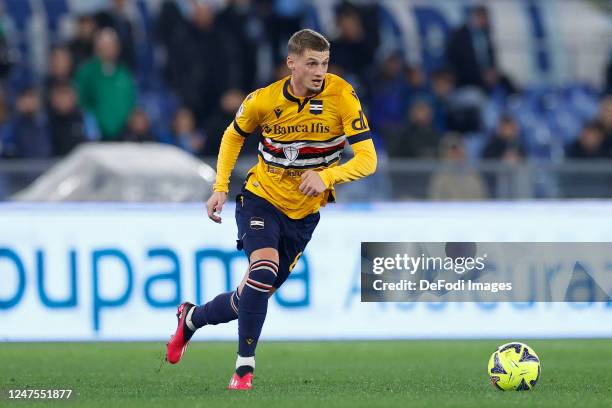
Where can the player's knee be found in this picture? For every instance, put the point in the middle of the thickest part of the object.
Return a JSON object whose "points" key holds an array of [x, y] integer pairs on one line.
{"points": [[262, 275], [270, 254]]}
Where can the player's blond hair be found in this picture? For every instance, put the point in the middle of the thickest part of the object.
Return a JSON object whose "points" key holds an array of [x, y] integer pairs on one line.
{"points": [[307, 39]]}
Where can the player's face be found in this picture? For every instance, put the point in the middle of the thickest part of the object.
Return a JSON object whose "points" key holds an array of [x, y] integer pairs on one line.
{"points": [[308, 70]]}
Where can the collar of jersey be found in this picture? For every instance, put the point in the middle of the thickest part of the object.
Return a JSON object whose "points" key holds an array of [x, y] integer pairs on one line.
{"points": [[297, 100]]}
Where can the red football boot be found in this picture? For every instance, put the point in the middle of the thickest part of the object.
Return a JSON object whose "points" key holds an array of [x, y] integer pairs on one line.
{"points": [[241, 383], [178, 343]]}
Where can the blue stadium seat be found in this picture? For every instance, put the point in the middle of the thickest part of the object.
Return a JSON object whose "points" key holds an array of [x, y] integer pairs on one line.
{"points": [[55, 9], [19, 11]]}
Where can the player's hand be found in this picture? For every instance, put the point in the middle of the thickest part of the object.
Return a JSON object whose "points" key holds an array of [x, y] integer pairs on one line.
{"points": [[214, 205], [312, 184]]}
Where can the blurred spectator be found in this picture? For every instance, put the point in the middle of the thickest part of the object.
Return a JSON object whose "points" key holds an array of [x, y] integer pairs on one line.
{"points": [[455, 180], [204, 62], [442, 86], [605, 118], [349, 49], [172, 32], [506, 144], [106, 87], [389, 96], [118, 17], [590, 144], [60, 70], [220, 119], [281, 18], [470, 52], [82, 46], [608, 85], [138, 128], [6, 57], [66, 123], [417, 137], [29, 138], [184, 132], [281, 71], [60, 66], [417, 89], [417, 81], [4, 123], [238, 20]]}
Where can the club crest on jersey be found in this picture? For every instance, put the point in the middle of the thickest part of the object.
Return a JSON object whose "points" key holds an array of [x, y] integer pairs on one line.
{"points": [[291, 152], [316, 106]]}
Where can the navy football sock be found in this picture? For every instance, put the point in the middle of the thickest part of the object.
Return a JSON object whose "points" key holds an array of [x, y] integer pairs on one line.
{"points": [[222, 309], [254, 305]]}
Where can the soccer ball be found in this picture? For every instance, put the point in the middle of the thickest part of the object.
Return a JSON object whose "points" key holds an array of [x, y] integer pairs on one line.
{"points": [[514, 366]]}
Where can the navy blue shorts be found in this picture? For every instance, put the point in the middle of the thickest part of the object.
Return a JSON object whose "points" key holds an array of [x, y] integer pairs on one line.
{"points": [[261, 225]]}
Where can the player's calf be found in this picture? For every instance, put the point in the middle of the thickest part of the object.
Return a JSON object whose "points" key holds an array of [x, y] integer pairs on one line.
{"points": [[251, 316]]}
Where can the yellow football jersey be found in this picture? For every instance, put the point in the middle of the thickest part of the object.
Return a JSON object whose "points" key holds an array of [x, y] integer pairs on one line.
{"points": [[299, 134]]}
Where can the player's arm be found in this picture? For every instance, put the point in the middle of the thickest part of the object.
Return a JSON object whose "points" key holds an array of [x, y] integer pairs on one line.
{"points": [[358, 135], [247, 119], [361, 165]]}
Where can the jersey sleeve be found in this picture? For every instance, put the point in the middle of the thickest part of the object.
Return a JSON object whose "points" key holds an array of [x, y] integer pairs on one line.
{"points": [[354, 122], [231, 144], [362, 165], [246, 121], [248, 117], [357, 133]]}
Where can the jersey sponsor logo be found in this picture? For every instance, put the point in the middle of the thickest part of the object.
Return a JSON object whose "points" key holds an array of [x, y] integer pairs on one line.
{"points": [[313, 127], [316, 106], [359, 123], [293, 173], [291, 153], [257, 223], [278, 111]]}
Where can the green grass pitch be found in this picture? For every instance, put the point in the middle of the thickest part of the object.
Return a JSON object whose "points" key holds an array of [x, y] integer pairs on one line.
{"points": [[449, 373]]}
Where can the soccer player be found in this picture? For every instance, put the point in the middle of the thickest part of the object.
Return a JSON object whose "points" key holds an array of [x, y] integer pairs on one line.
{"points": [[305, 120]]}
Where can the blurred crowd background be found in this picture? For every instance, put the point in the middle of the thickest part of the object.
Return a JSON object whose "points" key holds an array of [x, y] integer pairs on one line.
{"points": [[175, 72]]}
